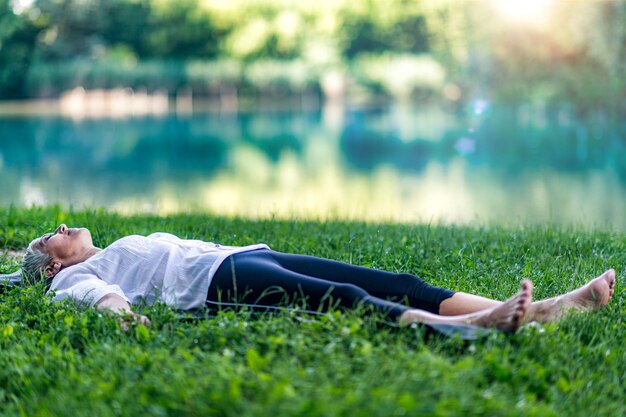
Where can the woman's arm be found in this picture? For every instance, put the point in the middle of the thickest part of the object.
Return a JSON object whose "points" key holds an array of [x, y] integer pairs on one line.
{"points": [[120, 306]]}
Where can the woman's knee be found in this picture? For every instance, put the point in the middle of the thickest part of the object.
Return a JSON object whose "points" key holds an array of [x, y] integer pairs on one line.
{"points": [[410, 278], [348, 293], [408, 283]]}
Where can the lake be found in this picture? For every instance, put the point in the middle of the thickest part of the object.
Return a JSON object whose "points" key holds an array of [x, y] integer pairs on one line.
{"points": [[427, 164]]}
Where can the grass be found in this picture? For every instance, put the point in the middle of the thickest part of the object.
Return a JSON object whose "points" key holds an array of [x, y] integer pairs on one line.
{"points": [[56, 359]]}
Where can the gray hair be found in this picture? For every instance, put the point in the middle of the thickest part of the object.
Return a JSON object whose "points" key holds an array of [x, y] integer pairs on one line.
{"points": [[35, 261]]}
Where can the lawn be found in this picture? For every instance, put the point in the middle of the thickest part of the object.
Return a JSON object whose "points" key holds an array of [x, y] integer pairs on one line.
{"points": [[57, 359]]}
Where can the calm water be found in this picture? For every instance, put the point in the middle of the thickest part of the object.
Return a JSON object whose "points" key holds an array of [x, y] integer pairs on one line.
{"points": [[402, 164]]}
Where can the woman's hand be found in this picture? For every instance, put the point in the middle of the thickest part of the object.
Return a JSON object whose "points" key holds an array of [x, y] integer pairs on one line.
{"points": [[120, 306], [128, 319]]}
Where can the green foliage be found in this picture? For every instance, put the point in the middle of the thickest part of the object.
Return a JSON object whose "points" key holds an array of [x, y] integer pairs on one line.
{"points": [[577, 56], [17, 45], [400, 75], [404, 31], [57, 359]]}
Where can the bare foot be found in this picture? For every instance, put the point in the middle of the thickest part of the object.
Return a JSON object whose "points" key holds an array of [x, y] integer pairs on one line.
{"points": [[592, 296], [507, 316]]}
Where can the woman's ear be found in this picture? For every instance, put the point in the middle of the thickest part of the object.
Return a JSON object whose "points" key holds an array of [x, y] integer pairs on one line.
{"points": [[51, 270]]}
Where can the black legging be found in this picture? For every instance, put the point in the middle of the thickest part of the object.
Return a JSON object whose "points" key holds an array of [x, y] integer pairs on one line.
{"points": [[268, 278]]}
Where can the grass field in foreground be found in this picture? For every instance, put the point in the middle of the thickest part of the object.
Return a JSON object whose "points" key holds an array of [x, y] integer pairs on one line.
{"points": [[56, 359]]}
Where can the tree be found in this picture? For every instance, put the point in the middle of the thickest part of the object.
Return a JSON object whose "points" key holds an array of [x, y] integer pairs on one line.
{"points": [[18, 34]]}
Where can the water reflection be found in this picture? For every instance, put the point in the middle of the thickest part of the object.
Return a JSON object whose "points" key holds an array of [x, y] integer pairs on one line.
{"points": [[396, 164]]}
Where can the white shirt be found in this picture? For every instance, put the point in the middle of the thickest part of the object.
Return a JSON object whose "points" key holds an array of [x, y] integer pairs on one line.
{"points": [[160, 267]]}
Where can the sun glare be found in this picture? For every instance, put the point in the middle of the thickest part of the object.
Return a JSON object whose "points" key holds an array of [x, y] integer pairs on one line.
{"points": [[18, 6], [524, 11]]}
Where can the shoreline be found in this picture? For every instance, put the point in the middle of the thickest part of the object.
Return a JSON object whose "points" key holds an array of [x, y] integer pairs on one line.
{"points": [[160, 105]]}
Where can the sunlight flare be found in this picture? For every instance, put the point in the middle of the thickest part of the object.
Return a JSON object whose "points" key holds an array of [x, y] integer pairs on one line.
{"points": [[524, 11]]}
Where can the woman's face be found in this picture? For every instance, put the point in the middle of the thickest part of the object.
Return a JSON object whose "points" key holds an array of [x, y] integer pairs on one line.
{"points": [[66, 246]]}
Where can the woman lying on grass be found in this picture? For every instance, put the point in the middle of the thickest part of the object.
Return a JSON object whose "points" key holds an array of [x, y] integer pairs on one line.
{"points": [[190, 274]]}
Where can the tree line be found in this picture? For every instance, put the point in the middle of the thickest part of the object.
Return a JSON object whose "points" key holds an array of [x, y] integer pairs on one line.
{"points": [[388, 47]]}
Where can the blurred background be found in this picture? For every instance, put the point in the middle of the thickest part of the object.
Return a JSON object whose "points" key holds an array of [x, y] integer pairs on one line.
{"points": [[435, 111]]}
